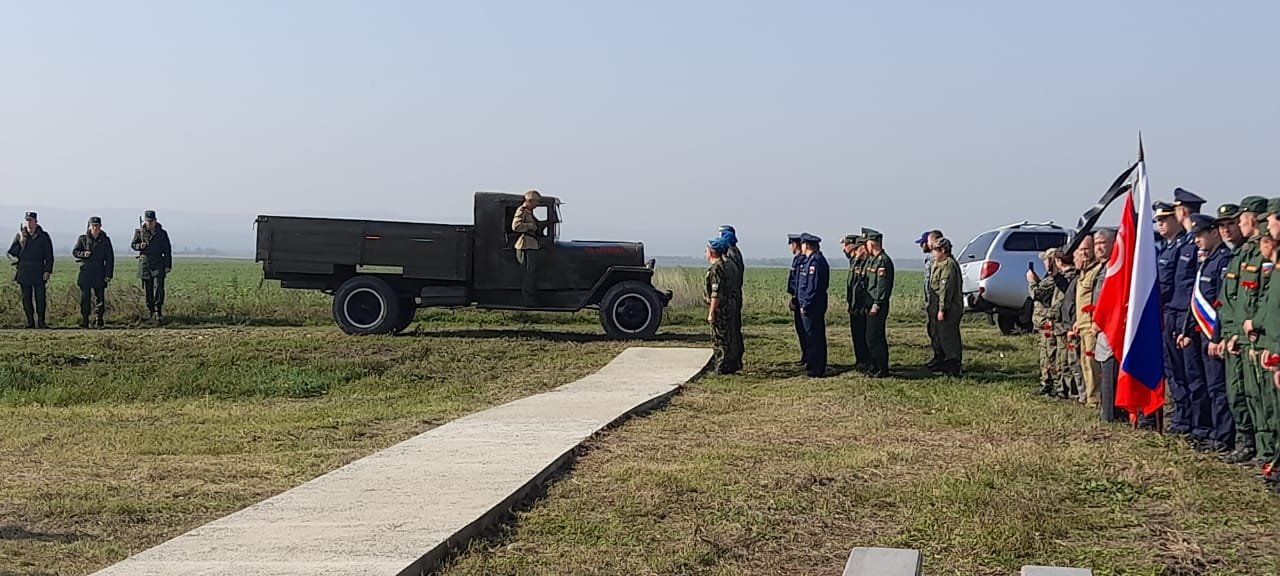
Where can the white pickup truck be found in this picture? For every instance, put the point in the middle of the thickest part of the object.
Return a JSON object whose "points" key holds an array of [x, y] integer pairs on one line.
{"points": [[994, 266]]}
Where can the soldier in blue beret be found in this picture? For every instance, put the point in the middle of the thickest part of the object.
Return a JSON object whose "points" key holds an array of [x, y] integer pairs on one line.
{"points": [[722, 304]]}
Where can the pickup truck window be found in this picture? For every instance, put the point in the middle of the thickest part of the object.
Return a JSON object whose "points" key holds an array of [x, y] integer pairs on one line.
{"points": [[978, 247], [1033, 241]]}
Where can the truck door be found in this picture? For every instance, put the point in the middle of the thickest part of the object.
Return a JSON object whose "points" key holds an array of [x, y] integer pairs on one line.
{"points": [[496, 267]]}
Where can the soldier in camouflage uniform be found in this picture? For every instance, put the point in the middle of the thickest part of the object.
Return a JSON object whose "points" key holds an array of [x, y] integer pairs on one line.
{"points": [[722, 306], [155, 261], [1239, 297], [734, 257], [1042, 292], [1266, 333]]}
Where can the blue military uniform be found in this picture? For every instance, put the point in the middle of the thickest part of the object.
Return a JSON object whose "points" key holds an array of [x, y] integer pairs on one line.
{"points": [[811, 294], [1210, 412], [1173, 312], [793, 282], [1186, 270]]}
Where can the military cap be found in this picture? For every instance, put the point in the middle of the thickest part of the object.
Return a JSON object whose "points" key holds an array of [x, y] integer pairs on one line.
{"points": [[924, 237], [149, 214], [1162, 209], [1184, 197], [29, 216], [793, 238], [849, 239], [718, 245], [872, 235], [1273, 207], [1227, 212], [942, 244], [1203, 223], [808, 238], [95, 220], [1254, 204]]}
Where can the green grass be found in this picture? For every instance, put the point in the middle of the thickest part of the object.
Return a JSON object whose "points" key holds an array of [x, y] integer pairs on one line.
{"points": [[112, 441], [232, 293]]}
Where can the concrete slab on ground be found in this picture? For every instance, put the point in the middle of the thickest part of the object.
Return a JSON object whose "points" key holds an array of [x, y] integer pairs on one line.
{"points": [[399, 511], [883, 562]]}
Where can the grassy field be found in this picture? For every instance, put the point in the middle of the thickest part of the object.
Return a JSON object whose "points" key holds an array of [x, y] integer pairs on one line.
{"points": [[114, 440]]}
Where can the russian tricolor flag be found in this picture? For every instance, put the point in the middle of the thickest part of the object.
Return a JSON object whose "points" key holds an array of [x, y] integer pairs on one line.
{"points": [[1128, 308]]}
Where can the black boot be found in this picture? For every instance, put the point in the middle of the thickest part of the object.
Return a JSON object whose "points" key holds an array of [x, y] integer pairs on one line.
{"points": [[159, 317], [99, 323], [1241, 455], [31, 321], [40, 323], [84, 320]]}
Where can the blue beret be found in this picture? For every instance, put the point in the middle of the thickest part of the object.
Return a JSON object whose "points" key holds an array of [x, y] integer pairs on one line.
{"points": [[718, 245], [727, 228]]}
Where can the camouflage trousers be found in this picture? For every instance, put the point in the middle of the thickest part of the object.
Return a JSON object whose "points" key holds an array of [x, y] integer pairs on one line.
{"points": [[725, 340], [1070, 375], [1049, 361]]}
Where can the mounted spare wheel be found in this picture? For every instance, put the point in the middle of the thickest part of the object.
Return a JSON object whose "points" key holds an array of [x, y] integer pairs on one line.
{"points": [[366, 305], [631, 310]]}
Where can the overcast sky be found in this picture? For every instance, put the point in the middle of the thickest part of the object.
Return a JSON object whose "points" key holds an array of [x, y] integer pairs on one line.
{"points": [[655, 121]]}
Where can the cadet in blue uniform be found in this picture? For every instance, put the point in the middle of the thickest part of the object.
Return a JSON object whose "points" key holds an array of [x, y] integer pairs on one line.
{"points": [[1173, 235], [811, 293], [1211, 412], [1186, 264], [798, 260]]}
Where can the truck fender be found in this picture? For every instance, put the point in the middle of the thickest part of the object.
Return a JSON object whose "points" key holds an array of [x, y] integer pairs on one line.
{"points": [[616, 274]]}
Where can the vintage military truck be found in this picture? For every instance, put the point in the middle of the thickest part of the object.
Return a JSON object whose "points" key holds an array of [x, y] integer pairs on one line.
{"points": [[380, 273]]}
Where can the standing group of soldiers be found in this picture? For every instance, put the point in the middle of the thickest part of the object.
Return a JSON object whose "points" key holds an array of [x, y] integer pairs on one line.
{"points": [[32, 254], [1221, 318]]}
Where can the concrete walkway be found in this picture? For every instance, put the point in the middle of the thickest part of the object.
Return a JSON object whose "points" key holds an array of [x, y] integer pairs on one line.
{"points": [[398, 511]]}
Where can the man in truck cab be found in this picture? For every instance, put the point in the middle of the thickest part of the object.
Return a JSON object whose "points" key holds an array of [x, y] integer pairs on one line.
{"points": [[527, 247]]}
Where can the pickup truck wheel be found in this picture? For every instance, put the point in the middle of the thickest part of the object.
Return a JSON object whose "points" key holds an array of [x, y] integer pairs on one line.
{"points": [[1008, 322], [631, 310], [366, 305]]}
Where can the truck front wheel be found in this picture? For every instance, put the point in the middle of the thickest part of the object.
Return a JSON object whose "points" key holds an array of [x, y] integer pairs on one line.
{"points": [[631, 310], [366, 305]]}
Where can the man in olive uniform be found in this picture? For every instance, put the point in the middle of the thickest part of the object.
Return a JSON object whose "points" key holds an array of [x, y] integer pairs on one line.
{"points": [[1238, 296], [798, 260], [1043, 292], [528, 249], [855, 295], [1266, 333], [97, 265], [946, 307], [1253, 217], [879, 274], [812, 296], [721, 304], [34, 253], [927, 242], [734, 256], [155, 261], [1070, 379]]}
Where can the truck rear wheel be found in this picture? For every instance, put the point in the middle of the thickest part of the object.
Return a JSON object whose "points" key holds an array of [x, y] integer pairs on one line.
{"points": [[631, 310], [366, 305]]}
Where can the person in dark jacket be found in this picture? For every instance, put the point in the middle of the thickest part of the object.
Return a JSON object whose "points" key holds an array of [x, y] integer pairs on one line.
{"points": [[97, 260], [798, 261], [34, 253], [155, 261]]}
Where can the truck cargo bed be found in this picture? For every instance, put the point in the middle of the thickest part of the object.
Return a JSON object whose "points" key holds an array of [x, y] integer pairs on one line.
{"points": [[293, 246]]}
